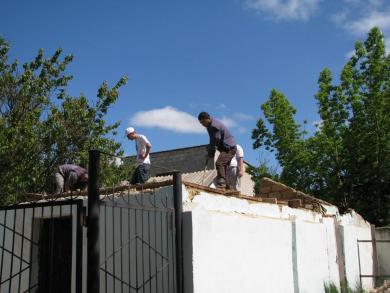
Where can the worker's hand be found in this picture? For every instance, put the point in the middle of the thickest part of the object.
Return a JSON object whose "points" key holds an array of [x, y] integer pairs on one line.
{"points": [[240, 173]]}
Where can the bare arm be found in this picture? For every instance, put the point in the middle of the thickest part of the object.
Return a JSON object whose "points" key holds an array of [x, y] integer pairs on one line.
{"points": [[148, 147], [241, 166]]}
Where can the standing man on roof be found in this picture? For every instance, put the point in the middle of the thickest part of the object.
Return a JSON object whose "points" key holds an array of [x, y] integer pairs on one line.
{"points": [[70, 177], [236, 170], [142, 163], [222, 140]]}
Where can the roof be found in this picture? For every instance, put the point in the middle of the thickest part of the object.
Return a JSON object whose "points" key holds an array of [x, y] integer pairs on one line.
{"points": [[279, 191], [185, 160], [205, 177]]}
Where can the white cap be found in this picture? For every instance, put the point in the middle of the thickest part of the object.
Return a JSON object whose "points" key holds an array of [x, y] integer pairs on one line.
{"points": [[129, 130]]}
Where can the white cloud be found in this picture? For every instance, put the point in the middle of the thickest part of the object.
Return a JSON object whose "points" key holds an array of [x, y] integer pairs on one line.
{"points": [[387, 44], [221, 107], [243, 116], [350, 54], [230, 123], [172, 119], [168, 118], [285, 9], [241, 129], [358, 17], [362, 25]]}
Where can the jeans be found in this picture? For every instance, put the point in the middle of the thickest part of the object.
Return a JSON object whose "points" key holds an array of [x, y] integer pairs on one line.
{"points": [[221, 165], [141, 174]]}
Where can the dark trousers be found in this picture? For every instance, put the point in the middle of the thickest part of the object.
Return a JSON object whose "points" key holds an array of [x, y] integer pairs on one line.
{"points": [[222, 163], [141, 174]]}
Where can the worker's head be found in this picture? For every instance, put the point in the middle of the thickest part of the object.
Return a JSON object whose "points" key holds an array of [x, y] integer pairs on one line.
{"points": [[204, 119], [130, 133]]}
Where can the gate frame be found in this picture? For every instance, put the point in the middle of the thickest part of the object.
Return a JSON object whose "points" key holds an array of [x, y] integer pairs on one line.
{"points": [[93, 250], [373, 242], [78, 233]]}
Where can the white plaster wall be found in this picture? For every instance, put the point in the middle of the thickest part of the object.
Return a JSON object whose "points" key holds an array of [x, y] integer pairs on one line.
{"points": [[234, 245], [312, 257], [247, 185], [243, 246], [333, 266], [350, 236], [234, 253]]}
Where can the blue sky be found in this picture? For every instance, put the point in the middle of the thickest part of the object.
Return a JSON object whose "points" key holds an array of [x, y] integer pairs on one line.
{"points": [[183, 57]]}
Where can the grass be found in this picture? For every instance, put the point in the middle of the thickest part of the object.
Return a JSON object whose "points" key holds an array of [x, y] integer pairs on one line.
{"points": [[345, 288]]}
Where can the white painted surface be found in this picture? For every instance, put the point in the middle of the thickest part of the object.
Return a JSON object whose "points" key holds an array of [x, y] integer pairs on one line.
{"points": [[312, 257], [350, 236], [235, 245], [333, 266], [244, 246], [231, 253]]}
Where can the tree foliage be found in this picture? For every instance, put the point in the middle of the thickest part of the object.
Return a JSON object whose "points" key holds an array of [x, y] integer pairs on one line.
{"points": [[42, 126], [347, 160]]}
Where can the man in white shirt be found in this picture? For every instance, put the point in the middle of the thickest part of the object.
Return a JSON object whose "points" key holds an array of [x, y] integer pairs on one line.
{"points": [[142, 164], [236, 170]]}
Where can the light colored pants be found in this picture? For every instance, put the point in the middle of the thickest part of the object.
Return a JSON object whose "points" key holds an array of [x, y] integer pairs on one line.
{"points": [[233, 180], [59, 181]]}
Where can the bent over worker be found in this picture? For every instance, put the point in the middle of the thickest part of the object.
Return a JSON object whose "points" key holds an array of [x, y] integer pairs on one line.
{"points": [[69, 177], [142, 163], [222, 140]]}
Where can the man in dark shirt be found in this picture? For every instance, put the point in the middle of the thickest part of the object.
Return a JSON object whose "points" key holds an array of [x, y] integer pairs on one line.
{"points": [[222, 140], [70, 177]]}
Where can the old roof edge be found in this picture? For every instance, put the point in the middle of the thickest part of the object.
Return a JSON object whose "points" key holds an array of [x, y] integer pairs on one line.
{"points": [[300, 193]]}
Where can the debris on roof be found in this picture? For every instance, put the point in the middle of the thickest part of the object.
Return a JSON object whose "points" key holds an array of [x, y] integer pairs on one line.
{"points": [[205, 178]]}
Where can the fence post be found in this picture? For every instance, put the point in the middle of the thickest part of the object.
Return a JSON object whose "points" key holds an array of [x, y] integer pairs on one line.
{"points": [[375, 266], [177, 193], [93, 253]]}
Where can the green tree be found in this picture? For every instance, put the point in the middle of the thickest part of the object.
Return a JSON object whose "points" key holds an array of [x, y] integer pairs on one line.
{"points": [[285, 139], [347, 160], [41, 126]]}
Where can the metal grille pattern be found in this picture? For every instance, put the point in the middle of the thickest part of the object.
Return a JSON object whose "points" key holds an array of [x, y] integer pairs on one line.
{"points": [[40, 247], [137, 241]]}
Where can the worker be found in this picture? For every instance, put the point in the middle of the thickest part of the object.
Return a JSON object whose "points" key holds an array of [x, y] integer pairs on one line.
{"points": [[236, 170], [222, 140], [70, 177], [142, 163]]}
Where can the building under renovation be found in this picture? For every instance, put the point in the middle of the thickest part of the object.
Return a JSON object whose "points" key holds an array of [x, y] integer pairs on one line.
{"points": [[177, 233]]}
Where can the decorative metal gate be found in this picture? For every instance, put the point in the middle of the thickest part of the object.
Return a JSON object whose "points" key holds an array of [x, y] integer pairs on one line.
{"points": [[41, 246], [134, 236], [137, 242]]}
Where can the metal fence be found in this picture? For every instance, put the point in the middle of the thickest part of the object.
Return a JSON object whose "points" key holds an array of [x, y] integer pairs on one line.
{"points": [[135, 234], [378, 276], [41, 247], [134, 240]]}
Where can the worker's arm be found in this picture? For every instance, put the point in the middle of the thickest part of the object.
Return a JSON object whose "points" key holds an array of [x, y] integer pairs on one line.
{"points": [[211, 148], [148, 147], [241, 166]]}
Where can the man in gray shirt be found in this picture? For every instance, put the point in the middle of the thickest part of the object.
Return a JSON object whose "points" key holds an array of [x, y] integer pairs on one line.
{"points": [[222, 140], [70, 177]]}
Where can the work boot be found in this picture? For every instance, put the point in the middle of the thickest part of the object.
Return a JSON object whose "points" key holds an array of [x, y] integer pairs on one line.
{"points": [[221, 183]]}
